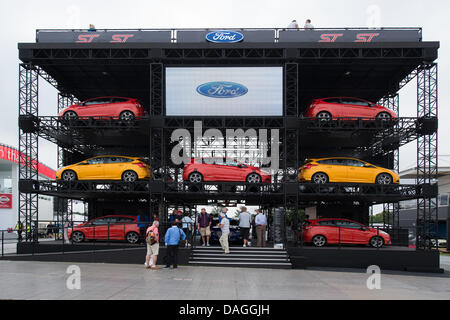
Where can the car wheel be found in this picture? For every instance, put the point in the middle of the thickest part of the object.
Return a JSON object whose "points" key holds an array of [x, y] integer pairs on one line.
{"points": [[129, 176], [70, 115], [384, 116], [384, 178], [253, 178], [319, 178], [78, 236], [376, 242], [195, 177], [324, 116], [69, 175], [132, 237], [319, 240], [126, 115]]}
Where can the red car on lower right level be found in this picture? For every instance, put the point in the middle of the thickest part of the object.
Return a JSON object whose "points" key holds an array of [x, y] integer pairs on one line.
{"points": [[321, 232]]}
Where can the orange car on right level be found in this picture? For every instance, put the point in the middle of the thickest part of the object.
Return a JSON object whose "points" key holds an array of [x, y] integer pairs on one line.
{"points": [[342, 169]]}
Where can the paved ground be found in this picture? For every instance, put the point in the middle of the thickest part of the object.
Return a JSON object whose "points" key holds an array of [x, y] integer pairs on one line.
{"points": [[42, 280]]}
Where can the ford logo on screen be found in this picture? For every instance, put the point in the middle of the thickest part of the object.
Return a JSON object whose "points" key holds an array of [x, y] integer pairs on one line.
{"points": [[222, 89], [224, 36]]}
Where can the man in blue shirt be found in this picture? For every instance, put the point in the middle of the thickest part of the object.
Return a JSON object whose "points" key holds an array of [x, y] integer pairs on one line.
{"points": [[172, 239]]}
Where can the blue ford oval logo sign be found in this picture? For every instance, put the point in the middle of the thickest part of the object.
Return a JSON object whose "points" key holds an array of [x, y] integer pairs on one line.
{"points": [[224, 36], [222, 89]]}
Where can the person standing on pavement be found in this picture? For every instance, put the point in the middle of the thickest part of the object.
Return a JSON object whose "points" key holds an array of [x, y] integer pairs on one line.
{"points": [[261, 224], [172, 239], [244, 225], [204, 226], [152, 239], [225, 227]]}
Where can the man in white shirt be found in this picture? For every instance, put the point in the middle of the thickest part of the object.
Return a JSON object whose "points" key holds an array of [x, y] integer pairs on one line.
{"points": [[244, 224], [225, 227], [293, 25], [308, 24], [260, 223]]}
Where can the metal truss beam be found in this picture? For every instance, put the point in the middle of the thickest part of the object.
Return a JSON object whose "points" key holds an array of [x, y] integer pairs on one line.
{"points": [[28, 145], [427, 156]]}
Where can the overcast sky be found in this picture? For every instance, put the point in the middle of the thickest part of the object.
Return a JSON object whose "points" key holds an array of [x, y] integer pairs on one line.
{"points": [[20, 18]]}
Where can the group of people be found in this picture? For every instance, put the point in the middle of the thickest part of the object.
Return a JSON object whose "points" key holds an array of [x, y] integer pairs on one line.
{"points": [[307, 26], [245, 222], [181, 228]]}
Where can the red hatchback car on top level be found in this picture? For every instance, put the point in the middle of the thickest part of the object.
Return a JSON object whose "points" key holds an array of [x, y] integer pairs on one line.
{"points": [[114, 227], [116, 107], [343, 107], [222, 169], [336, 230]]}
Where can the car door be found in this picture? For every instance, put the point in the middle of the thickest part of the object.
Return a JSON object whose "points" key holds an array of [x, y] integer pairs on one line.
{"points": [[100, 229], [356, 171], [114, 167], [116, 106], [218, 170], [365, 171], [122, 226], [327, 228], [334, 106], [90, 169], [345, 230], [234, 171], [101, 107], [115, 228], [360, 233], [338, 170], [356, 107]]}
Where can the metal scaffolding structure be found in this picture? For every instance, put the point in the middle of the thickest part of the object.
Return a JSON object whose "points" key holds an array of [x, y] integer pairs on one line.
{"points": [[150, 136]]}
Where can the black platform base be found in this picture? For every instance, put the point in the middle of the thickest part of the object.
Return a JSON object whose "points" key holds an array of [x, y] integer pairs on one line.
{"points": [[388, 258], [91, 252]]}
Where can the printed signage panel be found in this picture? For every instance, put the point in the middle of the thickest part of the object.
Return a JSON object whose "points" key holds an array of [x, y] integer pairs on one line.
{"points": [[5, 201], [224, 91], [224, 36]]}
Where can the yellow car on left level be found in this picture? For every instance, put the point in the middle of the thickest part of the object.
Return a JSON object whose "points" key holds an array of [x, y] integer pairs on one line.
{"points": [[123, 168]]}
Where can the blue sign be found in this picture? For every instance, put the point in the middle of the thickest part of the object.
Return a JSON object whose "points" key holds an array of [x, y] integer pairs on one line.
{"points": [[224, 36], [222, 89]]}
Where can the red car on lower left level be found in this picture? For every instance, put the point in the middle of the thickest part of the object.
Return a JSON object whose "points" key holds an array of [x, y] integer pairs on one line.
{"points": [[115, 107], [112, 227]]}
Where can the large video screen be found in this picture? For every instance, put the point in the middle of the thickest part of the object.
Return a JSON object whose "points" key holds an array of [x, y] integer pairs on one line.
{"points": [[224, 91]]}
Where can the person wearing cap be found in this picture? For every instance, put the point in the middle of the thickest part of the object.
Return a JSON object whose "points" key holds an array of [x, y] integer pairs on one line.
{"points": [[224, 225]]}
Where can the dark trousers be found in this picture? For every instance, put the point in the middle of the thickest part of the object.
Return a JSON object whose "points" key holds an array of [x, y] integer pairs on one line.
{"points": [[172, 255]]}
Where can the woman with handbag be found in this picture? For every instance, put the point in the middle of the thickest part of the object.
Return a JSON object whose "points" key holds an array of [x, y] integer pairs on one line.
{"points": [[152, 239]]}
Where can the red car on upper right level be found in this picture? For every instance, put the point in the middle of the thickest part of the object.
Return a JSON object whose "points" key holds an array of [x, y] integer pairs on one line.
{"points": [[346, 107]]}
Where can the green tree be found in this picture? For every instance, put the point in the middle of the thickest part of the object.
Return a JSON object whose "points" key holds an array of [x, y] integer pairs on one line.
{"points": [[385, 216]]}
